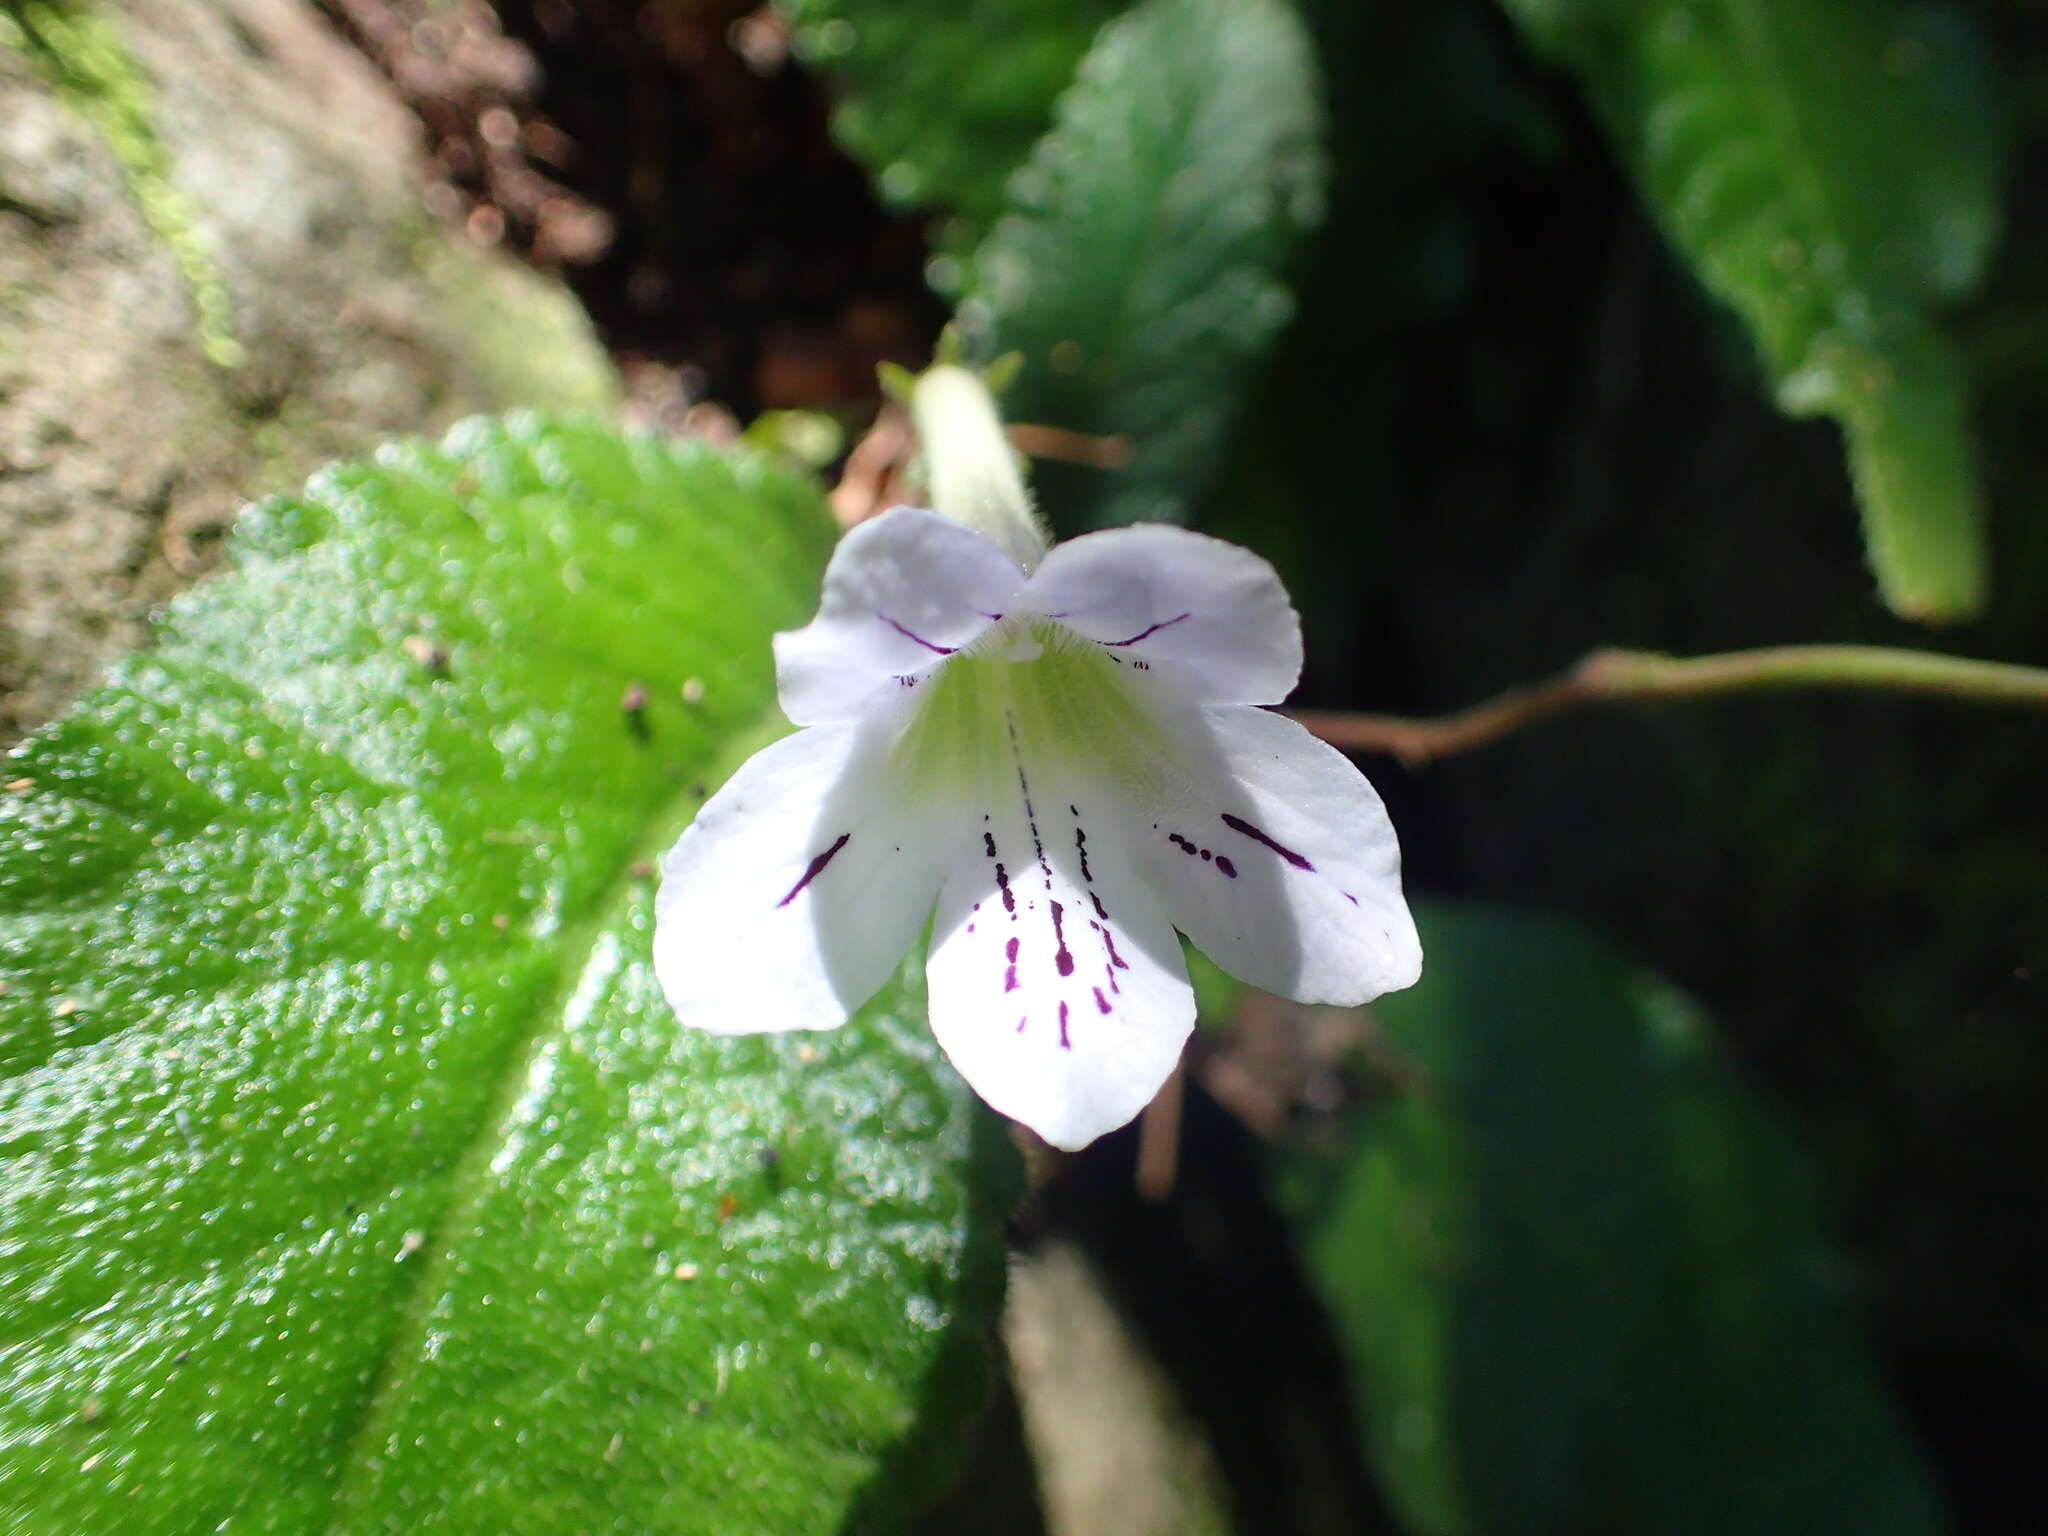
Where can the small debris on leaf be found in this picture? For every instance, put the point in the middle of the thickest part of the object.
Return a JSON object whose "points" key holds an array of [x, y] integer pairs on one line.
{"points": [[426, 652]]}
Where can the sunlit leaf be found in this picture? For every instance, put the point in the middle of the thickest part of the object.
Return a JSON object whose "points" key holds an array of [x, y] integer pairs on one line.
{"points": [[357, 1177], [1140, 273], [1580, 1274], [1830, 168]]}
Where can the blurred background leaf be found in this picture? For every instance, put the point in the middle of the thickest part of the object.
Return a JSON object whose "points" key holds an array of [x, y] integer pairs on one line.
{"points": [[358, 1175], [942, 101], [1141, 270], [1831, 169], [1580, 1271]]}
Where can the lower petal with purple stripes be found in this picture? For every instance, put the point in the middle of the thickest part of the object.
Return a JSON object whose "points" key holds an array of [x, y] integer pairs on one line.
{"points": [[1057, 985]]}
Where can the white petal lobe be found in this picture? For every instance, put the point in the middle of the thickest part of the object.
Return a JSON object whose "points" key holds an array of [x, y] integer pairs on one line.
{"points": [[1057, 987], [797, 889], [1211, 614], [1273, 853], [902, 592]]}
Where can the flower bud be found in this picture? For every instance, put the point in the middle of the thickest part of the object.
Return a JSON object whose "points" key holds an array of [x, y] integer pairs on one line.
{"points": [[969, 464]]}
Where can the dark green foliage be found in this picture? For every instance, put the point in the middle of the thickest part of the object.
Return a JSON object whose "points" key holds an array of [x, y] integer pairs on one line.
{"points": [[1559, 445], [1829, 168], [357, 1175], [1580, 1272]]}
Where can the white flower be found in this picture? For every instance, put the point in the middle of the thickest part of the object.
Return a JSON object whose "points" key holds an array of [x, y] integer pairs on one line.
{"points": [[1063, 751]]}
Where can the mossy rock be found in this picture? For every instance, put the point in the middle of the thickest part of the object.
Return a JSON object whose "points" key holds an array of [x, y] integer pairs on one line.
{"points": [[216, 273]]}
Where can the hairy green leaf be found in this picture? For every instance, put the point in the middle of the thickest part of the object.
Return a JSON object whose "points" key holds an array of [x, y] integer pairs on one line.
{"points": [[1141, 272], [1830, 168], [357, 1177], [1579, 1274], [943, 105]]}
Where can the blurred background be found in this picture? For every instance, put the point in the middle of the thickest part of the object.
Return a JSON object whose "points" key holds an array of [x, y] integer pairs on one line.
{"points": [[1704, 1187]]}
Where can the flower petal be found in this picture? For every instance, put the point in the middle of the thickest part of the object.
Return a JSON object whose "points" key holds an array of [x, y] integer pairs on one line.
{"points": [[903, 591], [1273, 853], [797, 889], [1057, 986], [1212, 614]]}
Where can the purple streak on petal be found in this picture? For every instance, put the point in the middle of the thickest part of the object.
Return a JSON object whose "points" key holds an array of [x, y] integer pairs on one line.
{"points": [[1101, 1002], [1031, 820], [1064, 958], [815, 869], [942, 650], [1065, 1043], [1151, 630], [1239, 824], [1115, 959], [1226, 866], [1003, 885]]}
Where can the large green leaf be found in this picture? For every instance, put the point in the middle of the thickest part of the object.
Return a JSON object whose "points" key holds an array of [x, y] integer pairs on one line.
{"points": [[357, 1177], [1141, 273], [1830, 168], [944, 101], [1579, 1272]]}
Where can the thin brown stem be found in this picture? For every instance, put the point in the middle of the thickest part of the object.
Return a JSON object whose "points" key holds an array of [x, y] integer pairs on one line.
{"points": [[1612, 675], [1043, 442]]}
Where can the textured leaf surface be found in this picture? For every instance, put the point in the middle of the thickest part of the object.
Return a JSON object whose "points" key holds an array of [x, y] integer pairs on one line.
{"points": [[1141, 272], [1830, 168], [1579, 1274], [943, 105], [356, 1176]]}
